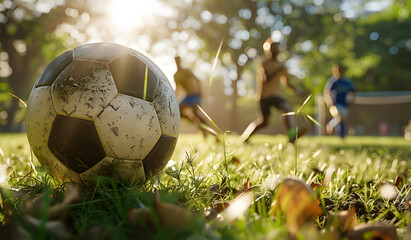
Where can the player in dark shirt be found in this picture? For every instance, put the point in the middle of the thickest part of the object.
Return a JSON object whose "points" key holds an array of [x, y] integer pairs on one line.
{"points": [[339, 92], [272, 79]]}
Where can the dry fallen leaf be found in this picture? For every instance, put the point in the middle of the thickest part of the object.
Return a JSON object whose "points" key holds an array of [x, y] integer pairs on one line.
{"points": [[295, 199], [343, 221], [171, 216], [140, 218], [55, 223], [373, 231], [57, 211], [55, 228], [168, 215], [71, 195], [238, 206]]}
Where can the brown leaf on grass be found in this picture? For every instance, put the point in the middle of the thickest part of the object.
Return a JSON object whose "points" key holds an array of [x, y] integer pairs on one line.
{"points": [[55, 228], [238, 206], [140, 218], [57, 211], [230, 211], [343, 221], [32, 211], [71, 195], [372, 231], [295, 199], [169, 216]]}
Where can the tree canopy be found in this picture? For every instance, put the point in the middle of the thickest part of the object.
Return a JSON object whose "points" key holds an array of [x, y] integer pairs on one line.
{"points": [[29, 39]]}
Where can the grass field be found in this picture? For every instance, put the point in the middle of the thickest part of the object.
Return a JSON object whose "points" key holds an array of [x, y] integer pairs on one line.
{"points": [[204, 175]]}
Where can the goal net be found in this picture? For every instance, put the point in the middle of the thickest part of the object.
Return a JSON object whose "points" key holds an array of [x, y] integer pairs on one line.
{"points": [[372, 113]]}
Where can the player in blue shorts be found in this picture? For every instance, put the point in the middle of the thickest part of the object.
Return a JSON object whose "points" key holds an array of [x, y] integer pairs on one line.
{"points": [[339, 92], [187, 82]]}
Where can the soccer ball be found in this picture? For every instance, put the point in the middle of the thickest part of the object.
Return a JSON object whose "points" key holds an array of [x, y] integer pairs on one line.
{"points": [[102, 109]]}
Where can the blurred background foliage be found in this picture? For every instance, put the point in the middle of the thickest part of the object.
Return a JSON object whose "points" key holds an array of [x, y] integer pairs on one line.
{"points": [[371, 38]]}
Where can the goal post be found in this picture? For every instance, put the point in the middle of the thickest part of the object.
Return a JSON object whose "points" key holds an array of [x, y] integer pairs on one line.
{"points": [[371, 113]]}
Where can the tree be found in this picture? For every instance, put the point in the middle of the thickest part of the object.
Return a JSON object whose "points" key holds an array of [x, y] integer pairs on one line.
{"points": [[384, 35], [28, 41]]}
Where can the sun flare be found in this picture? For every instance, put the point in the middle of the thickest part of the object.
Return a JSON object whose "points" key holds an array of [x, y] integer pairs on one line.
{"points": [[130, 14]]}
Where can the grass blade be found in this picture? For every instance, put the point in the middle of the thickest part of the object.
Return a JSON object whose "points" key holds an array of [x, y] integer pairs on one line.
{"points": [[214, 65], [313, 120], [24, 103], [211, 120], [202, 125], [288, 114], [305, 102], [145, 84]]}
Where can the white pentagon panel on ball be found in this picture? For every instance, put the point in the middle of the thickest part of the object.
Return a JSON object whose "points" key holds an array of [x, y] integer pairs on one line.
{"points": [[167, 109], [39, 116], [83, 89], [54, 166], [105, 52], [117, 169], [128, 128]]}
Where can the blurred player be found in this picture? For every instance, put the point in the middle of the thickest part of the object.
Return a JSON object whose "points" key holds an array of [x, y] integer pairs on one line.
{"points": [[188, 83], [339, 92], [271, 77]]}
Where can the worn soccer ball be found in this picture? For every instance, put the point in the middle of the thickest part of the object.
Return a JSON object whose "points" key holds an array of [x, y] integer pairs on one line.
{"points": [[102, 109]]}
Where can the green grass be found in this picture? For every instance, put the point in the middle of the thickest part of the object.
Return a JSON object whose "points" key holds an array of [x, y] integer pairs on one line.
{"points": [[362, 164]]}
